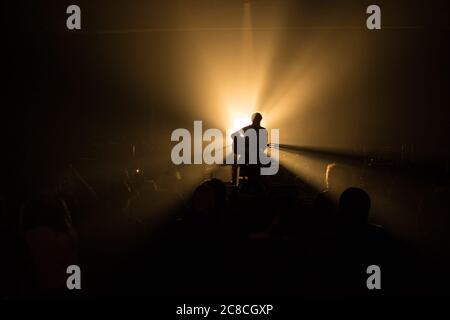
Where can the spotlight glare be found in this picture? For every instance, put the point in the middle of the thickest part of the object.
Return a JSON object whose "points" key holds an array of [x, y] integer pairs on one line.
{"points": [[239, 123]]}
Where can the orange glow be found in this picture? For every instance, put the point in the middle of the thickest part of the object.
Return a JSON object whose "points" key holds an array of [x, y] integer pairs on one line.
{"points": [[229, 74]]}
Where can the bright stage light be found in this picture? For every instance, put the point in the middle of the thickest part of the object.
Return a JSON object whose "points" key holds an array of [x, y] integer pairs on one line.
{"points": [[236, 123], [239, 123], [226, 70]]}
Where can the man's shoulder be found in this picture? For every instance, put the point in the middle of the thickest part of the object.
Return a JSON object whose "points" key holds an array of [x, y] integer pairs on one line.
{"points": [[253, 127]]}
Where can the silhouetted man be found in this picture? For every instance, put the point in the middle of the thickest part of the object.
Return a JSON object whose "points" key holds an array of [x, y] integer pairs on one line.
{"points": [[243, 137], [354, 229]]}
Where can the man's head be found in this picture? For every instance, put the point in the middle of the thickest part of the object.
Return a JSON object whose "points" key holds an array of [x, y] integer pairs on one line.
{"points": [[256, 118]]}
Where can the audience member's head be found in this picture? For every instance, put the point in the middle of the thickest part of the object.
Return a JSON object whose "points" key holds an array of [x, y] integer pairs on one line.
{"points": [[337, 178], [354, 206]]}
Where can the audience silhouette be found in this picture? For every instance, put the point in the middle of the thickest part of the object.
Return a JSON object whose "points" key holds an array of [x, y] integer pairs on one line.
{"points": [[255, 239]]}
